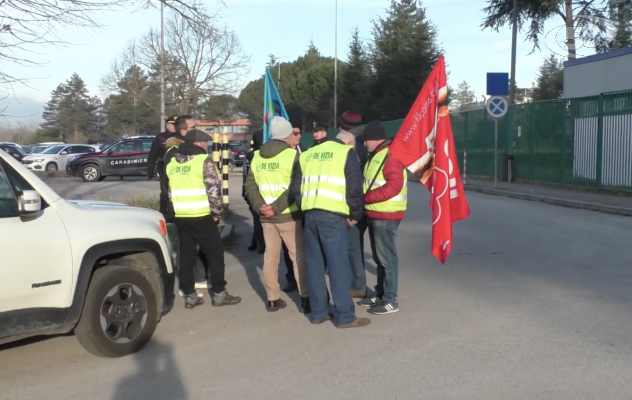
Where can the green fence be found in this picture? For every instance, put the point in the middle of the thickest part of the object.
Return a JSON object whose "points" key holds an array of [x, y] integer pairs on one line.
{"points": [[582, 142]]}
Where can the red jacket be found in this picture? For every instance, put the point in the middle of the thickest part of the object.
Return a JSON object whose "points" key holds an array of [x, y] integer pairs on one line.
{"points": [[394, 176]]}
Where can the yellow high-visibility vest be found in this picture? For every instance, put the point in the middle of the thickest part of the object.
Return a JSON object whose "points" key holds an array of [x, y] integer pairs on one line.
{"points": [[188, 191], [395, 203], [324, 185]]}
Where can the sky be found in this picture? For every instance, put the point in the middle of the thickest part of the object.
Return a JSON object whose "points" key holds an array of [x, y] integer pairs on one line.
{"points": [[285, 28]]}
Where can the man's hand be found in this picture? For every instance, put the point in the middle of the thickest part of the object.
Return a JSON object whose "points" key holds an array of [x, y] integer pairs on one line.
{"points": [[266, 210], [216, 219], [351, 222]]}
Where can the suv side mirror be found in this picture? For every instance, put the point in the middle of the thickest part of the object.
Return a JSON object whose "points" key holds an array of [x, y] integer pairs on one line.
{"points": [[63, 153], [29, 203]]}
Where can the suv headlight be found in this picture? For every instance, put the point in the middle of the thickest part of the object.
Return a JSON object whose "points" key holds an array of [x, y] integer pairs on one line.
{"points": [[72, 159], [38, 160]]}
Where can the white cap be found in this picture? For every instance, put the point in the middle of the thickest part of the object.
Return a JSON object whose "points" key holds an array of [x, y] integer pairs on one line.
{"points": [[280, 128]]}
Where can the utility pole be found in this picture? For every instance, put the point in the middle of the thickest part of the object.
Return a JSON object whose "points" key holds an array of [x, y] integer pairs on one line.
{"points": [[162, 67], [336, 69]]}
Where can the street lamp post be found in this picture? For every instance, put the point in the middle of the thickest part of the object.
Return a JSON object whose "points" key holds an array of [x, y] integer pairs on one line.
{"points": [[514, 38], [162, 67], [336, 69]]}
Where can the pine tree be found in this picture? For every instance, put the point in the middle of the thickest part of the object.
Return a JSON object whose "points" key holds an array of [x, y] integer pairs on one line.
{"points": [[77, 112], [130, 111], [404, 50], [463, 97], [550, 82], [621, 16], [51, 115], [355, 81]]}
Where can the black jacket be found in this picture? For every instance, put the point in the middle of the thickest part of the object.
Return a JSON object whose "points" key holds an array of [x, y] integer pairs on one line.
{"points": [[157, 151], [353, 177]]}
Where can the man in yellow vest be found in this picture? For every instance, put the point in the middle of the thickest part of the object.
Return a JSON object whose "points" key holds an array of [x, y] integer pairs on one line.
{"points": [[385, 204], [328, 187], [267, 187], [195, 191]]}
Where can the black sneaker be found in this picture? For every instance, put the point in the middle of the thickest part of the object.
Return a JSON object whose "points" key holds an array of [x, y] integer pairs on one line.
{"points": [[370, 300], [192, 300], [384, 308], [224, 299]]}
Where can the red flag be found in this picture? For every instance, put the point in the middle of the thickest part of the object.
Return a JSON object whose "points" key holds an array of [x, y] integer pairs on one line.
{"points": [[424, 144]]}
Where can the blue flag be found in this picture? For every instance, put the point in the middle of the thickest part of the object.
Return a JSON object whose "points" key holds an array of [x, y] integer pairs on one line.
{"points": [[272, 105]]}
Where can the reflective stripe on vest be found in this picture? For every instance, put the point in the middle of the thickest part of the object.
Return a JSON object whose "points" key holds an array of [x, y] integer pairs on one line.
{"points": [[324, 186], [395, 203], [274, 175], [188, 191]]}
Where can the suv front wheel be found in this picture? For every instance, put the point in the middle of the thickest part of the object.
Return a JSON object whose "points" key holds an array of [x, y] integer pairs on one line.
{"points": [[90, 173], [119, 314]]}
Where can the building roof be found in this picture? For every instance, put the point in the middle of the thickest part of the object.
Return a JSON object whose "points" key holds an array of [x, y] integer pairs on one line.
{"points": [[238, 122], [598, 57]]}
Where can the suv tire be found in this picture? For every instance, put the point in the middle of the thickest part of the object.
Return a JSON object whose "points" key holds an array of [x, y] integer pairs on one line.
{"points": [[51, 167], [119, 314], [90, 173]]}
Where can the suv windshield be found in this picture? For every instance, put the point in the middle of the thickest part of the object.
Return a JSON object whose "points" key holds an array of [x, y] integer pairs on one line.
{"points": [[53, 150]]}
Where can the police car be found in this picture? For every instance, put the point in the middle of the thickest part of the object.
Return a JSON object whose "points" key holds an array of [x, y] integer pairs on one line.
{"points": [[126, 157]]}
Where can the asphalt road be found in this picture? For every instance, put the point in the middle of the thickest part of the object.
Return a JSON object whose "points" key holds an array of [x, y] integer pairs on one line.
{"points": [[534, 303]]}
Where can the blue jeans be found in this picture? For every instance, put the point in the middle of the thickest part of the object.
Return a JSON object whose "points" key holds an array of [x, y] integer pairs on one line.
{"points": [[327, 241], [356, 255], [383, 235]]}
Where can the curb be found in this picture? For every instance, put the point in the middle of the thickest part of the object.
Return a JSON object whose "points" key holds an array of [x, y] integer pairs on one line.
{"points": [[553, 200]]}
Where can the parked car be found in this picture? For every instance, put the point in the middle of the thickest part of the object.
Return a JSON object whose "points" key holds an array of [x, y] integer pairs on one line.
{"points": [[56, 157], [231, 157], [239, 152], [101, 270], [16, 151], [126, 157]]}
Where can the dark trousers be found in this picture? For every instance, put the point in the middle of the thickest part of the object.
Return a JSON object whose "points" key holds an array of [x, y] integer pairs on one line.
{"points": [[356, 255], [327, 243], [165, 204], [257, 235], [200, 231]]}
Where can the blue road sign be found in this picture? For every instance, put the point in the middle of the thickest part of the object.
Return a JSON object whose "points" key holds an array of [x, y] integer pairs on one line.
{"points": [[497, 106], [497, 84]]}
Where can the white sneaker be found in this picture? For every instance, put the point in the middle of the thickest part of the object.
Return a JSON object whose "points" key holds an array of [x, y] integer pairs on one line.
{"points": [[202, 285], [200, 294]]}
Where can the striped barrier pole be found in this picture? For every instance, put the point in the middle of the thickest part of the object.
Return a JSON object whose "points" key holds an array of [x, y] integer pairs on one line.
{"points": [[216, 147], [464, 165], [225, 161]]}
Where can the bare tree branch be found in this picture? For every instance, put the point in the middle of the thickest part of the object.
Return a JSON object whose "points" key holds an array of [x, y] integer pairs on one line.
{"points": [[26, 25], [202, 59]]}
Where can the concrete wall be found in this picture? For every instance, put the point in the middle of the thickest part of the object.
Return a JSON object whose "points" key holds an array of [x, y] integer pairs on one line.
{"points": [[591, 76]]}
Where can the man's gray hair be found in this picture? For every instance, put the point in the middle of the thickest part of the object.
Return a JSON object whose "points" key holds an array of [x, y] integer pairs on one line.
{"points": [[346, 137]]}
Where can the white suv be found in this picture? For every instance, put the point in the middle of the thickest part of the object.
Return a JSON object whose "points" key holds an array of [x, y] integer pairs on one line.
{"points": [[56, 157], [101, 269]]}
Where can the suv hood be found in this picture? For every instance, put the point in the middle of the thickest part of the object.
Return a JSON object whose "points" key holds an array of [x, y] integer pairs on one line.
{"points": [[98, 203]]}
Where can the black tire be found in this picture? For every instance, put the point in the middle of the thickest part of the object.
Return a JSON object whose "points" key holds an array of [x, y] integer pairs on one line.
{"points": [[90, 173], [114, 289], [51, 167]]}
